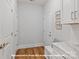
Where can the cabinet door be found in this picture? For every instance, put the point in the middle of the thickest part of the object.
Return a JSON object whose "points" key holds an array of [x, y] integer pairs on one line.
{"points": [[68, 10], [76, 9], [57, 5]]}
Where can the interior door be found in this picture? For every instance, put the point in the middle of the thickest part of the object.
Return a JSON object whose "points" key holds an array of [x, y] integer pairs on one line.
{"points": [[68, 10], [7, 21], [15, 30], [1, 54], [1, 15], [15, 25]]}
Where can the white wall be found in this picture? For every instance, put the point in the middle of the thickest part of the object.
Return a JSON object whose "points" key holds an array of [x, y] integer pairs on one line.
{"points": [[68, 33], [30, 24]]}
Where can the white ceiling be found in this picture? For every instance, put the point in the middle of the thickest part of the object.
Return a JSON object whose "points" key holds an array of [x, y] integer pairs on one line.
{"points": [[39, 2]]}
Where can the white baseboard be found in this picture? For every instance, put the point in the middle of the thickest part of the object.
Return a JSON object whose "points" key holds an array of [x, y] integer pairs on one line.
{"points": [[29, 45]]}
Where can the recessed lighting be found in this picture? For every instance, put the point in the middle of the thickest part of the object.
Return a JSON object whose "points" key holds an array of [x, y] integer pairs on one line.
{"points": [[31, 0]]}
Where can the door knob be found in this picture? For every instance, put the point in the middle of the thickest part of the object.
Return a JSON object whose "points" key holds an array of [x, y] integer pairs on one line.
{"points": [[11, 33]]}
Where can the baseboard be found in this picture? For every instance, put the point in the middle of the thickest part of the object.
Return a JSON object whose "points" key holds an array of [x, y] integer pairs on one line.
{"points": [[29, 45]]}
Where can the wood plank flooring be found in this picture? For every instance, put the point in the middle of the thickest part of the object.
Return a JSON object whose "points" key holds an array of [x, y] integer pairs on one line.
{"points": [[31, 51]]}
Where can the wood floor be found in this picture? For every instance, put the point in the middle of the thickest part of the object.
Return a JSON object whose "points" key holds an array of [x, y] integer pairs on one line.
{"points": [[30, 51]]}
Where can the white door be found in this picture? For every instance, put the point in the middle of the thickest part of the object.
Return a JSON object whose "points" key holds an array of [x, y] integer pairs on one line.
{"points": [[15, 30], [15, 25], [1, 15], [8, 25], [68, 10], [1, 54], [7, 21]]}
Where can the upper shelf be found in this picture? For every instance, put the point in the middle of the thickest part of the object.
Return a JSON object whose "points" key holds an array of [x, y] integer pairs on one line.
{"points": [[70, 22]]}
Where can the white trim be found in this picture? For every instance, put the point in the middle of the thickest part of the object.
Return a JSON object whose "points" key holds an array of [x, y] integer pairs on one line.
{"points": [[29, 45]]}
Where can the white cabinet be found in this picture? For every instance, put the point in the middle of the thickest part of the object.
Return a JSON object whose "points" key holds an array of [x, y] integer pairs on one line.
{"points": [[58, 5], [70, 12], [76, 10], [58, 14], [57, 8]]}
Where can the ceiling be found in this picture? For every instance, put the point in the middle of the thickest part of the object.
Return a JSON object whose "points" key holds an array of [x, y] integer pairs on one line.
{"points": [[39, 2]]}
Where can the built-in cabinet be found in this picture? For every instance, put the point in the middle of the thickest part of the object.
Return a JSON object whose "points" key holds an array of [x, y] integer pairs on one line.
{"points": [[58, 5], [76, 10], [66, 11], [58, 13], [70, 12]]}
